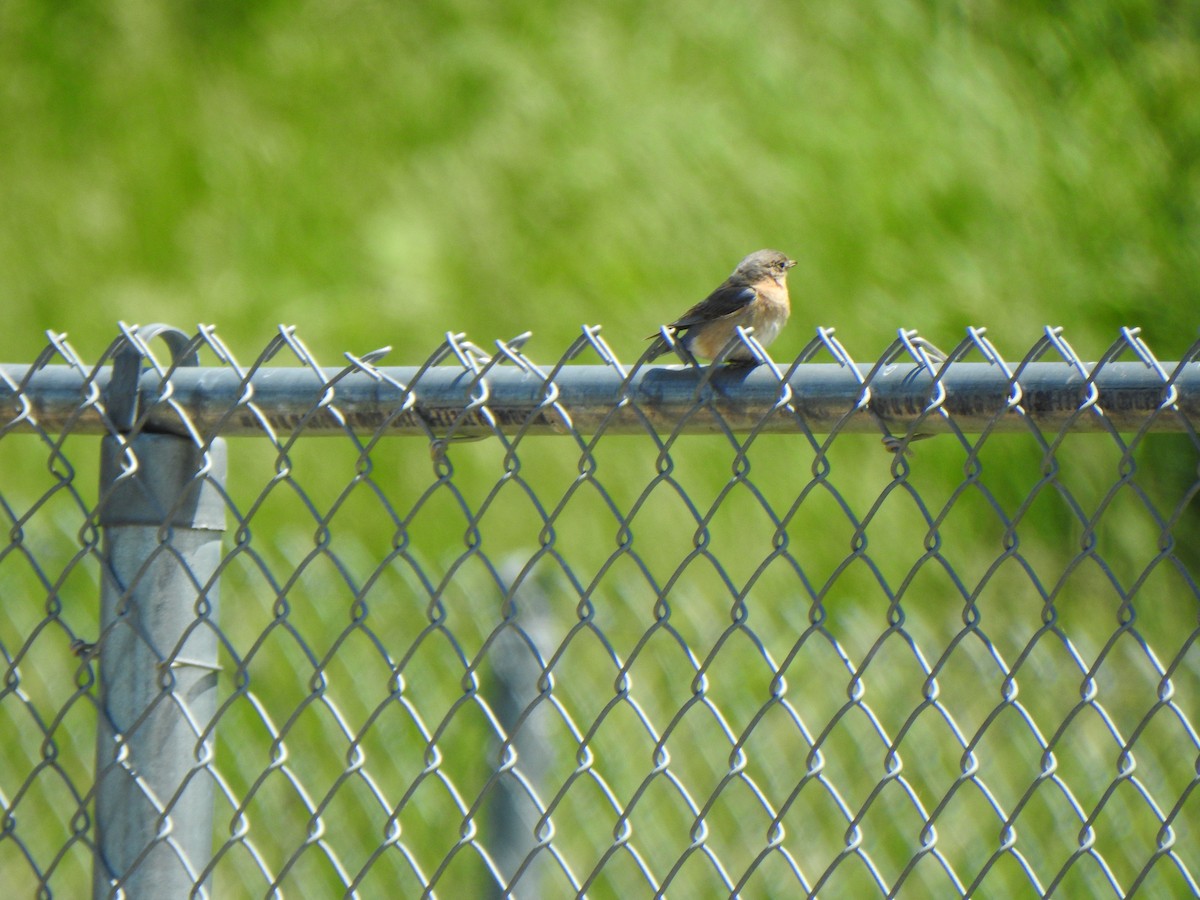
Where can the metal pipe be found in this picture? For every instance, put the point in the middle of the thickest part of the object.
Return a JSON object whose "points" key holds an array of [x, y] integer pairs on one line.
{"points": [[449, 399], [162, 518]]}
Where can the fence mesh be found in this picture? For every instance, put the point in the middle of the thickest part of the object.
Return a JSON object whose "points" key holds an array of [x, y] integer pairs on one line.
{"points": [[701, 642]]}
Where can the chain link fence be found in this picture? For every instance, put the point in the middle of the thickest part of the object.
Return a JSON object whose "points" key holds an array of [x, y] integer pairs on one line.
{"points": [[486, 626]]}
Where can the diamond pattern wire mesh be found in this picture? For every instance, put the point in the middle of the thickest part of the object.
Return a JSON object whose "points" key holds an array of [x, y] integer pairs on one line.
{"points": [[756, 660]]}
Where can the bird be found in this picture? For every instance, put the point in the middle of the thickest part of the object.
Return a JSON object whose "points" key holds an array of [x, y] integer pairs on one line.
{"points": [[755, 295]]}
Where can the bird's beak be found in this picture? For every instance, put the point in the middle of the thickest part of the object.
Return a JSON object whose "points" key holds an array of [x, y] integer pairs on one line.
{"points": [[790, 263]]}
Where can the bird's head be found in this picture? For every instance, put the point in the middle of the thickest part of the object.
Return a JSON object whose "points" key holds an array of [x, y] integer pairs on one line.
{"points": [[764, 264]]}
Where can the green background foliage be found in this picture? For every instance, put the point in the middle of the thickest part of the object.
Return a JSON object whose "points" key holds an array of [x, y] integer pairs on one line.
{"points": [[388, 172], [382, 173]]}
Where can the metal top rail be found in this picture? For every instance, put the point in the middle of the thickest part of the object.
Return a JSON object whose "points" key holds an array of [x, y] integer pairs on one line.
{"points": [[462, 392], [1121, 395]]}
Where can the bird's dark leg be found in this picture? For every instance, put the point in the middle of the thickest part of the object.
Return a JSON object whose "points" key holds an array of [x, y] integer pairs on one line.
{"points": [[736, 364], [685, 354]]}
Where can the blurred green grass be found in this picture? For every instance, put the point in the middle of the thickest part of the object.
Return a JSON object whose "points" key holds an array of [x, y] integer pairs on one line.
{"points": [[383, 173], [388, 172]]}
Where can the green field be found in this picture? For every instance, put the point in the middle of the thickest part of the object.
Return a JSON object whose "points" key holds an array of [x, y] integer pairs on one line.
{"points": [[381, 174], [384, 173]]}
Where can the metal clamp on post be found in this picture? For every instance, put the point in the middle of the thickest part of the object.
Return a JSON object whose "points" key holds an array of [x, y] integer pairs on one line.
{"points": [[122, 396], [150, 479]]}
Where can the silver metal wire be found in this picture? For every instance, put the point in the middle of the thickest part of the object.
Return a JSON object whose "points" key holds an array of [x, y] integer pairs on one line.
{"points": [[617, 629]]}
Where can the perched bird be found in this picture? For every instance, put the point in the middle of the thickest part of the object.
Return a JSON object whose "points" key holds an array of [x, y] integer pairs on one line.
{"points": [[754, 295]]}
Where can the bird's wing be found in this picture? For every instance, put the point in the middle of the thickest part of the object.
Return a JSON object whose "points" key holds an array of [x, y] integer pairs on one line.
{"points": [[724, 301]]}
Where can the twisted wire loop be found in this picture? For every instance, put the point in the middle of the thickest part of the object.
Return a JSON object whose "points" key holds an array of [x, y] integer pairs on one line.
{"points": [[630, 629]]}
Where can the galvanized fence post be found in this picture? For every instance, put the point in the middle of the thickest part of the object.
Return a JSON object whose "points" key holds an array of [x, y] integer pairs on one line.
{"points": [[519, 680], [162, 518]]}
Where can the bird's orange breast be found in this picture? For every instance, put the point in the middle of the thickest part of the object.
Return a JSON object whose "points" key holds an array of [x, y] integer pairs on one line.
{"points": [[767, 313]]}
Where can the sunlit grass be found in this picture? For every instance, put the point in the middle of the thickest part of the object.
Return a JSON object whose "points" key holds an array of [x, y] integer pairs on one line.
{"points": [[386, 174]]}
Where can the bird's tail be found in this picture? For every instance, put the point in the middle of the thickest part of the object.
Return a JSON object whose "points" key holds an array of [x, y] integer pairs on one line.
{"points": [[659, 345]]}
